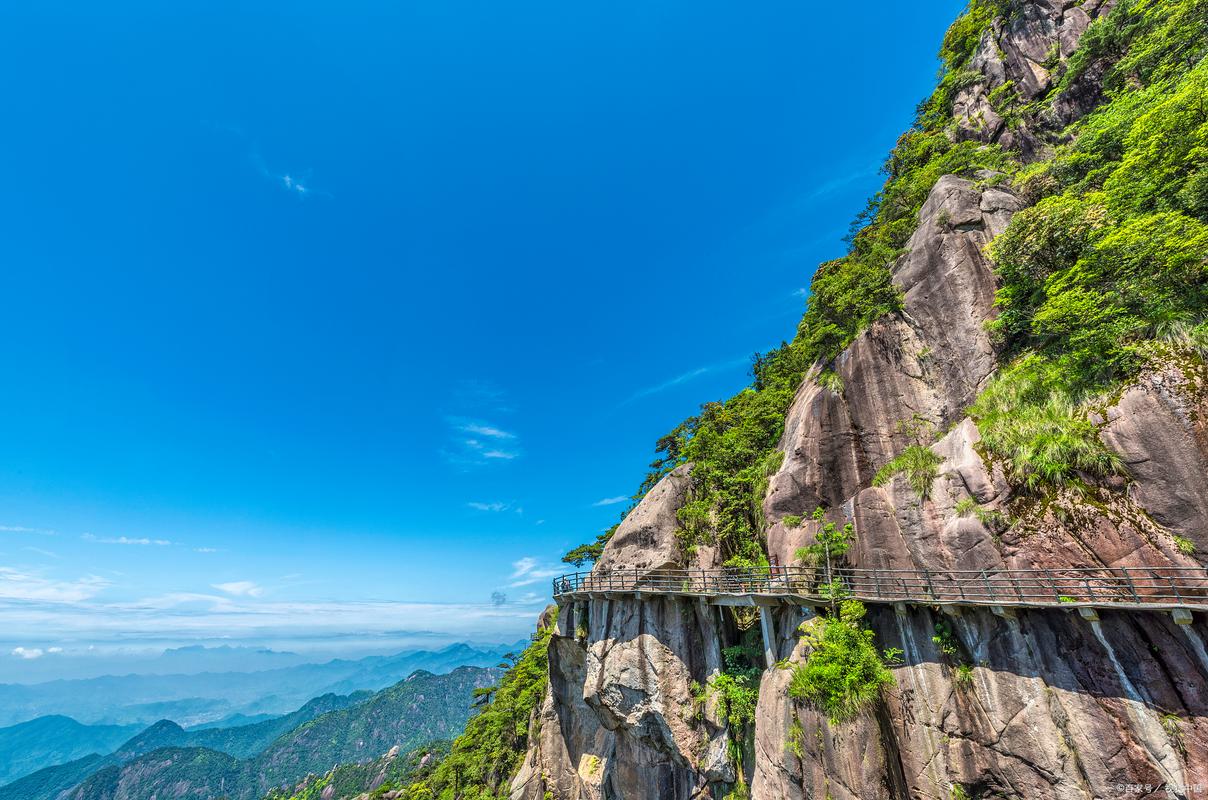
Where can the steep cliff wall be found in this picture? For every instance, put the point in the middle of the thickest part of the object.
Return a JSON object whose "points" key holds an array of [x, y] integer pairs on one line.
{"points": [[1034, 704]]}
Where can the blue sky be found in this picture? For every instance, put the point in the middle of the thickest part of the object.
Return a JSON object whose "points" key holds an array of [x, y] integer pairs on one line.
{"points": [[325, 321]]}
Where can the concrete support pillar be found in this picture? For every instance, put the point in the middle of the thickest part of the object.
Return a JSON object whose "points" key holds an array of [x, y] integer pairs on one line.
{"points": [[1089, 614], [1006, 612], [1182, 616], [566, 620], [769, 635]]}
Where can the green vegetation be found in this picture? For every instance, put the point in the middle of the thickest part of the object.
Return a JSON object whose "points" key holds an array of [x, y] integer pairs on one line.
{"points": [[792, 520], [962, 675], [830, 543], [967, 506], [1107, 271], [484, 759], [829, 379], [1172, 724], [1184, 545], [919, 464], [737, 687], [844, 674], [1028, 419], [945, 639], [350, 780]]}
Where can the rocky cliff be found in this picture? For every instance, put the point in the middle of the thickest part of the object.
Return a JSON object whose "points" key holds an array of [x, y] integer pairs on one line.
{"points": [[1046, 704]]}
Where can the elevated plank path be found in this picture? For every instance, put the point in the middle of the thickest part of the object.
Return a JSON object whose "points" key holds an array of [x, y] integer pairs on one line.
{"points": [[1178, 590], [1138, 588]]}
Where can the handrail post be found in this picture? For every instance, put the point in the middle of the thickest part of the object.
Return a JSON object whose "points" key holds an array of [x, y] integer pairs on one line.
{"points": [[1018, 588], [989, 590], [1178, 597], [930, 585], [1132, 587], [876, 578], [1053, 586]]}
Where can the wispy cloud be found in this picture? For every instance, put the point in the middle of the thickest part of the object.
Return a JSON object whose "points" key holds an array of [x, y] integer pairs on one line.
{"points": [[685, 378], [125, 540], [494, 507], [293, 182], [487, 430], [42, 552], [240, 588], [477, 442], [206, 550], [23, 529], [29, 586], [185, 616], [611, 501], [528, 570]]}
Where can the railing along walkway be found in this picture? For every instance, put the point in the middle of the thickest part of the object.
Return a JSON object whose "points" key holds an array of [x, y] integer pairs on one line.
{"points": [[1126, 587]]}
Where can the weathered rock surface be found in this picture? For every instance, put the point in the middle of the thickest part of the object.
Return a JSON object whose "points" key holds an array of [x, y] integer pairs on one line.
{"points": [[1029, 54]]}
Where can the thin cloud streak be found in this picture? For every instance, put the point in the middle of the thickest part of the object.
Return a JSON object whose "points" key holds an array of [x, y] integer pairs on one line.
{"points": [[125, 540], [684, 378], [611, 501]]}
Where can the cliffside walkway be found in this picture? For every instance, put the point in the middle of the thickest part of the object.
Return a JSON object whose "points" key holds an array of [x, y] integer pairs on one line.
{"points": [[1178, 590], [1137, 588]]}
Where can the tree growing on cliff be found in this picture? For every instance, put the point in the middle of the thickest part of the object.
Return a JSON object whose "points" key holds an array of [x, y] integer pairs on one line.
{"points": [[844, 673]]}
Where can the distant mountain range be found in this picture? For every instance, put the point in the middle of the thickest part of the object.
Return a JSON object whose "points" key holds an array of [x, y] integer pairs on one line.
{"points": [[246, 762], [29, 746], [209, 697]]}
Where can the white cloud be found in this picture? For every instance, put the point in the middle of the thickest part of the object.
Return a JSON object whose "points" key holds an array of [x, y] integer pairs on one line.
{"points": [[28, 653], [684, 378], [475, 442], [240, 588], [205, 550], [125, 540], [27, 586], [528, 570], [611, 501], [495, 507], [23, 529], [189, 616], [487, 430], [42, 552]]}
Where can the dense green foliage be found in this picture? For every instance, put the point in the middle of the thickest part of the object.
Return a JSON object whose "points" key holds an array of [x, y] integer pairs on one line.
{"points": [[1108, 269], [843, 674], [349, 780], [919, 464], [484, 759]]}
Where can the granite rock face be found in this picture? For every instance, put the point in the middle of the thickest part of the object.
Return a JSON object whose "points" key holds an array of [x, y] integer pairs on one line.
{"points": [[1052, 704], [1021, 61]]}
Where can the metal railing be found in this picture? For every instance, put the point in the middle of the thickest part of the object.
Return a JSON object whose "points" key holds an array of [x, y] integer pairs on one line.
{"points": [[1097, 586]]}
